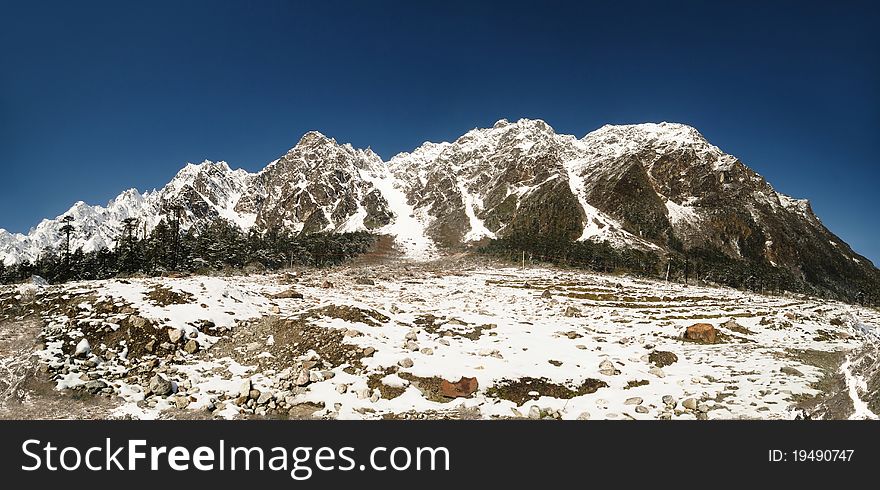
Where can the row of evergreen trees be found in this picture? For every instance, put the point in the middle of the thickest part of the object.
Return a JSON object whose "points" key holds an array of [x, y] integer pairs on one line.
{"points": [[217, 246], [703, 265]]}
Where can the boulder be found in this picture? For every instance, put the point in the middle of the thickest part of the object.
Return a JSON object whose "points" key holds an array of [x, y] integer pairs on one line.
{"points": [[191, 346], [462, 388], [160, 386], [82, 348], [703, 333], [174, 335], [607, 368]]}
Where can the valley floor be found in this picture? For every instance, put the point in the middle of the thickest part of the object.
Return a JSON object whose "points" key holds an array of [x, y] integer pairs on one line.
{"points": [[403, 340]]}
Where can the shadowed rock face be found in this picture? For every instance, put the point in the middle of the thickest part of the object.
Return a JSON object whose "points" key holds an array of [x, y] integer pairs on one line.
{"points": [[659, 187]]}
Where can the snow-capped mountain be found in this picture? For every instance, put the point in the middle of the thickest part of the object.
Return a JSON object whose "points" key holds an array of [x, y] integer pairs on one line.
{"points": [[659, 187]]}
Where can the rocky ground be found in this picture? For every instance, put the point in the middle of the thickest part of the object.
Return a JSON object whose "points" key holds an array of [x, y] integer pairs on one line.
{"points": [[445, 339]]}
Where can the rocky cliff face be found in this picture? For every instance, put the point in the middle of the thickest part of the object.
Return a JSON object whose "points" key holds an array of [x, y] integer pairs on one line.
{"points": [[659, 187]]}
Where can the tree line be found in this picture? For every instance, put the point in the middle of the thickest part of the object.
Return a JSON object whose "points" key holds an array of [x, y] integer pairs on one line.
{"points": [[216, 246], [703, 265]]}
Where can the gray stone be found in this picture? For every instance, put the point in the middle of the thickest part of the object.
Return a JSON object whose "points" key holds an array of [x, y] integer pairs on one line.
{"points": [[607, 368], [95, 386], [244, 388], [160, 386], [405, 363], [302, 378]]}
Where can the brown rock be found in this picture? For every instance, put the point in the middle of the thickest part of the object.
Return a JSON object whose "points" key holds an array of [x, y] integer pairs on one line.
{"points": [[703, 333], [288, 294], [191, 346], [464, 387]]}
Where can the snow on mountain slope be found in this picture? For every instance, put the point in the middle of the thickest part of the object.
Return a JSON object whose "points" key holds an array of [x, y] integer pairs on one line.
{"points": [[648, 186]]}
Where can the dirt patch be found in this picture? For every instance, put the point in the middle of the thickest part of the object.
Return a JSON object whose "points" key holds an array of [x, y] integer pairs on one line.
{"points": [[163, 296], [293, 339], [518, 390], [374, 382], [451, 328], [833, 401], [661, 358], [350, 314], [636, 383], [430, 387]]}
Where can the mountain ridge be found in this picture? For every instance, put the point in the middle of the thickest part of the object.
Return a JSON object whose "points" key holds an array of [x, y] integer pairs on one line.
{"points": [[660, 187]]}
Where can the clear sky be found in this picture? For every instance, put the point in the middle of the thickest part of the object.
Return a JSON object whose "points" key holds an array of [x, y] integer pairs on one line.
{"points": [[97, 97]]}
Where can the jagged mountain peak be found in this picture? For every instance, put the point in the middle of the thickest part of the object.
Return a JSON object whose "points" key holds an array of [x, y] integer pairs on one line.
{"points": [[659, 187]]}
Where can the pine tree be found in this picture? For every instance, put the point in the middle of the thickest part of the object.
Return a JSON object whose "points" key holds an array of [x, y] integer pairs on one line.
{"points": [[128, 254], [67, 229]]}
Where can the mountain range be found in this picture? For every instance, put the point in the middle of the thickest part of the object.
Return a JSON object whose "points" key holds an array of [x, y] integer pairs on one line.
{"points": [[654, 187]]}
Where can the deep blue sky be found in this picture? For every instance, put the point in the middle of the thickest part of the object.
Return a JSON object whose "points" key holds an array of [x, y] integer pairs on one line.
{"points": [[96, 97]]}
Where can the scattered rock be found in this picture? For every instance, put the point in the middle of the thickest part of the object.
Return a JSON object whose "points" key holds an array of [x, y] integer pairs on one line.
{"points": [[160, 386], [95, 385], [405, 363], [641, 409], [703, 333], [302, 378], [174, 335], [547, 294], [191, 346], [657, 372], [584, 416], [82, 348], [572, 312], [607, 368], [690, 403], [669, 400], [264, 398], [244, 388], [326, 284], [365, 281], [633, 401], [534, 412], [181, 402]]}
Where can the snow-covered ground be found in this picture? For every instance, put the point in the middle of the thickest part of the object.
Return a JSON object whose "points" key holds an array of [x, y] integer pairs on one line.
{"points": [[540, 342]]}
